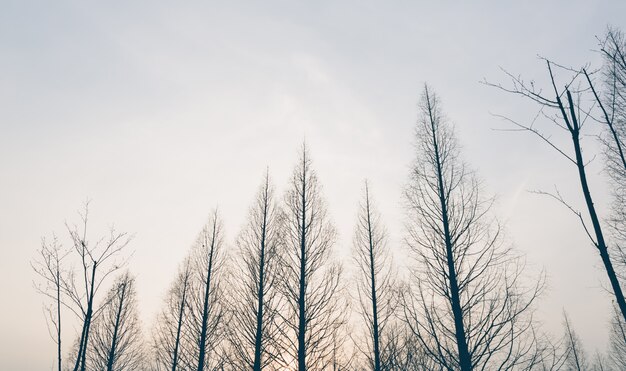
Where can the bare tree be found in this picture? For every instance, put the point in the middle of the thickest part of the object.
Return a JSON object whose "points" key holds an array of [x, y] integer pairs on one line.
{"points": [[376, 288], [575, 358], [206, 311], [613, 104], [255, 299], [599, 362], [190, 328], [551, 355], [341, 355], [311, 285], [613, 107], [49, 267], [97, 261], [403, 352], [570, 116], [117, 338], [168, 335], [467, 306], [617, 344]]}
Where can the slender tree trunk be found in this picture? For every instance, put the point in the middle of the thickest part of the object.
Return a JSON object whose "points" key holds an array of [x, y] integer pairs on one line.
{"points": [[83, 361], [465, 361], [58, 284], [112, 353], [84, 337], [375, 329], [259, 319], [593, 215], [80, 347], [205, 311], [180, 323], [301, 298]]}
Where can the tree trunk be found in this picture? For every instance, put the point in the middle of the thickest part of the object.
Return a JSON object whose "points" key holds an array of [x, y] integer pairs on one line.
{"points": [[205, 311], [375, 329], [58, 284], [112, 352], [260, 294], [301, 298], [84, 337], [180, 323], [595, 220]]}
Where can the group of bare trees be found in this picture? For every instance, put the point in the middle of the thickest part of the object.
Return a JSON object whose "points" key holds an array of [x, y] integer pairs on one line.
{"points": [[280, 299], [191, 327], [72, 278]]}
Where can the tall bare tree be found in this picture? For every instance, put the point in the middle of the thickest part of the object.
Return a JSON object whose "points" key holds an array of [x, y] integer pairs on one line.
{"points": [[117, 338], [206, 310], [168, 336], [613, 103], [255, 298], [49, 267], [575, 358], [617, 342], [468, 306], [376, 289], [569, 114], [341, 354], [613, 107], [311, 284]]}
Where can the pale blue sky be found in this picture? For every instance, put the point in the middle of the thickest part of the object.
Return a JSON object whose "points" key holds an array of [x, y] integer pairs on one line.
{"points": [[159, 111]]}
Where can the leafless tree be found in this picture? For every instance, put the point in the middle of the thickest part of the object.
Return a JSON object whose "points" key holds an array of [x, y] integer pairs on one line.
{"points": [[613, 103], [468, 305], [311, 285], [569, 114], [599, 362], [548, 355], [168, 336], [49, 268], [80, 287], [376, 287], [255, 296], [190, 328], [613, 107], [575, 355], [206, 312], [117, 338], [403, 352], [617, 344], [342, 354]]}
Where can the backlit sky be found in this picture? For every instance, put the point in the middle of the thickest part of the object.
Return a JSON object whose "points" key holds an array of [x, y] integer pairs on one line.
{"points": [[158, 112]]}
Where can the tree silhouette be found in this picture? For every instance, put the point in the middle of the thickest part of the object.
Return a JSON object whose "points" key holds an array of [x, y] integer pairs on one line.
{"points": [[613, 107], [617, 341], [97, 262], [570, 116], [466, 304], [206, 307], [311, 284], [575, 358], [376, 289], [117, 338], [168, 336], [49, 268], [255, 297]]}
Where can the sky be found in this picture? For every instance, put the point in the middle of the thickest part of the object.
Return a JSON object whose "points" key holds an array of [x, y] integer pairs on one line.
{"points": [[158, 112]]}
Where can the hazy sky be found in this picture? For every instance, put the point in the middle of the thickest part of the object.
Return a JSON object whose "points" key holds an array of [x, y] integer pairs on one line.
{"points": [[158, 112]]}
